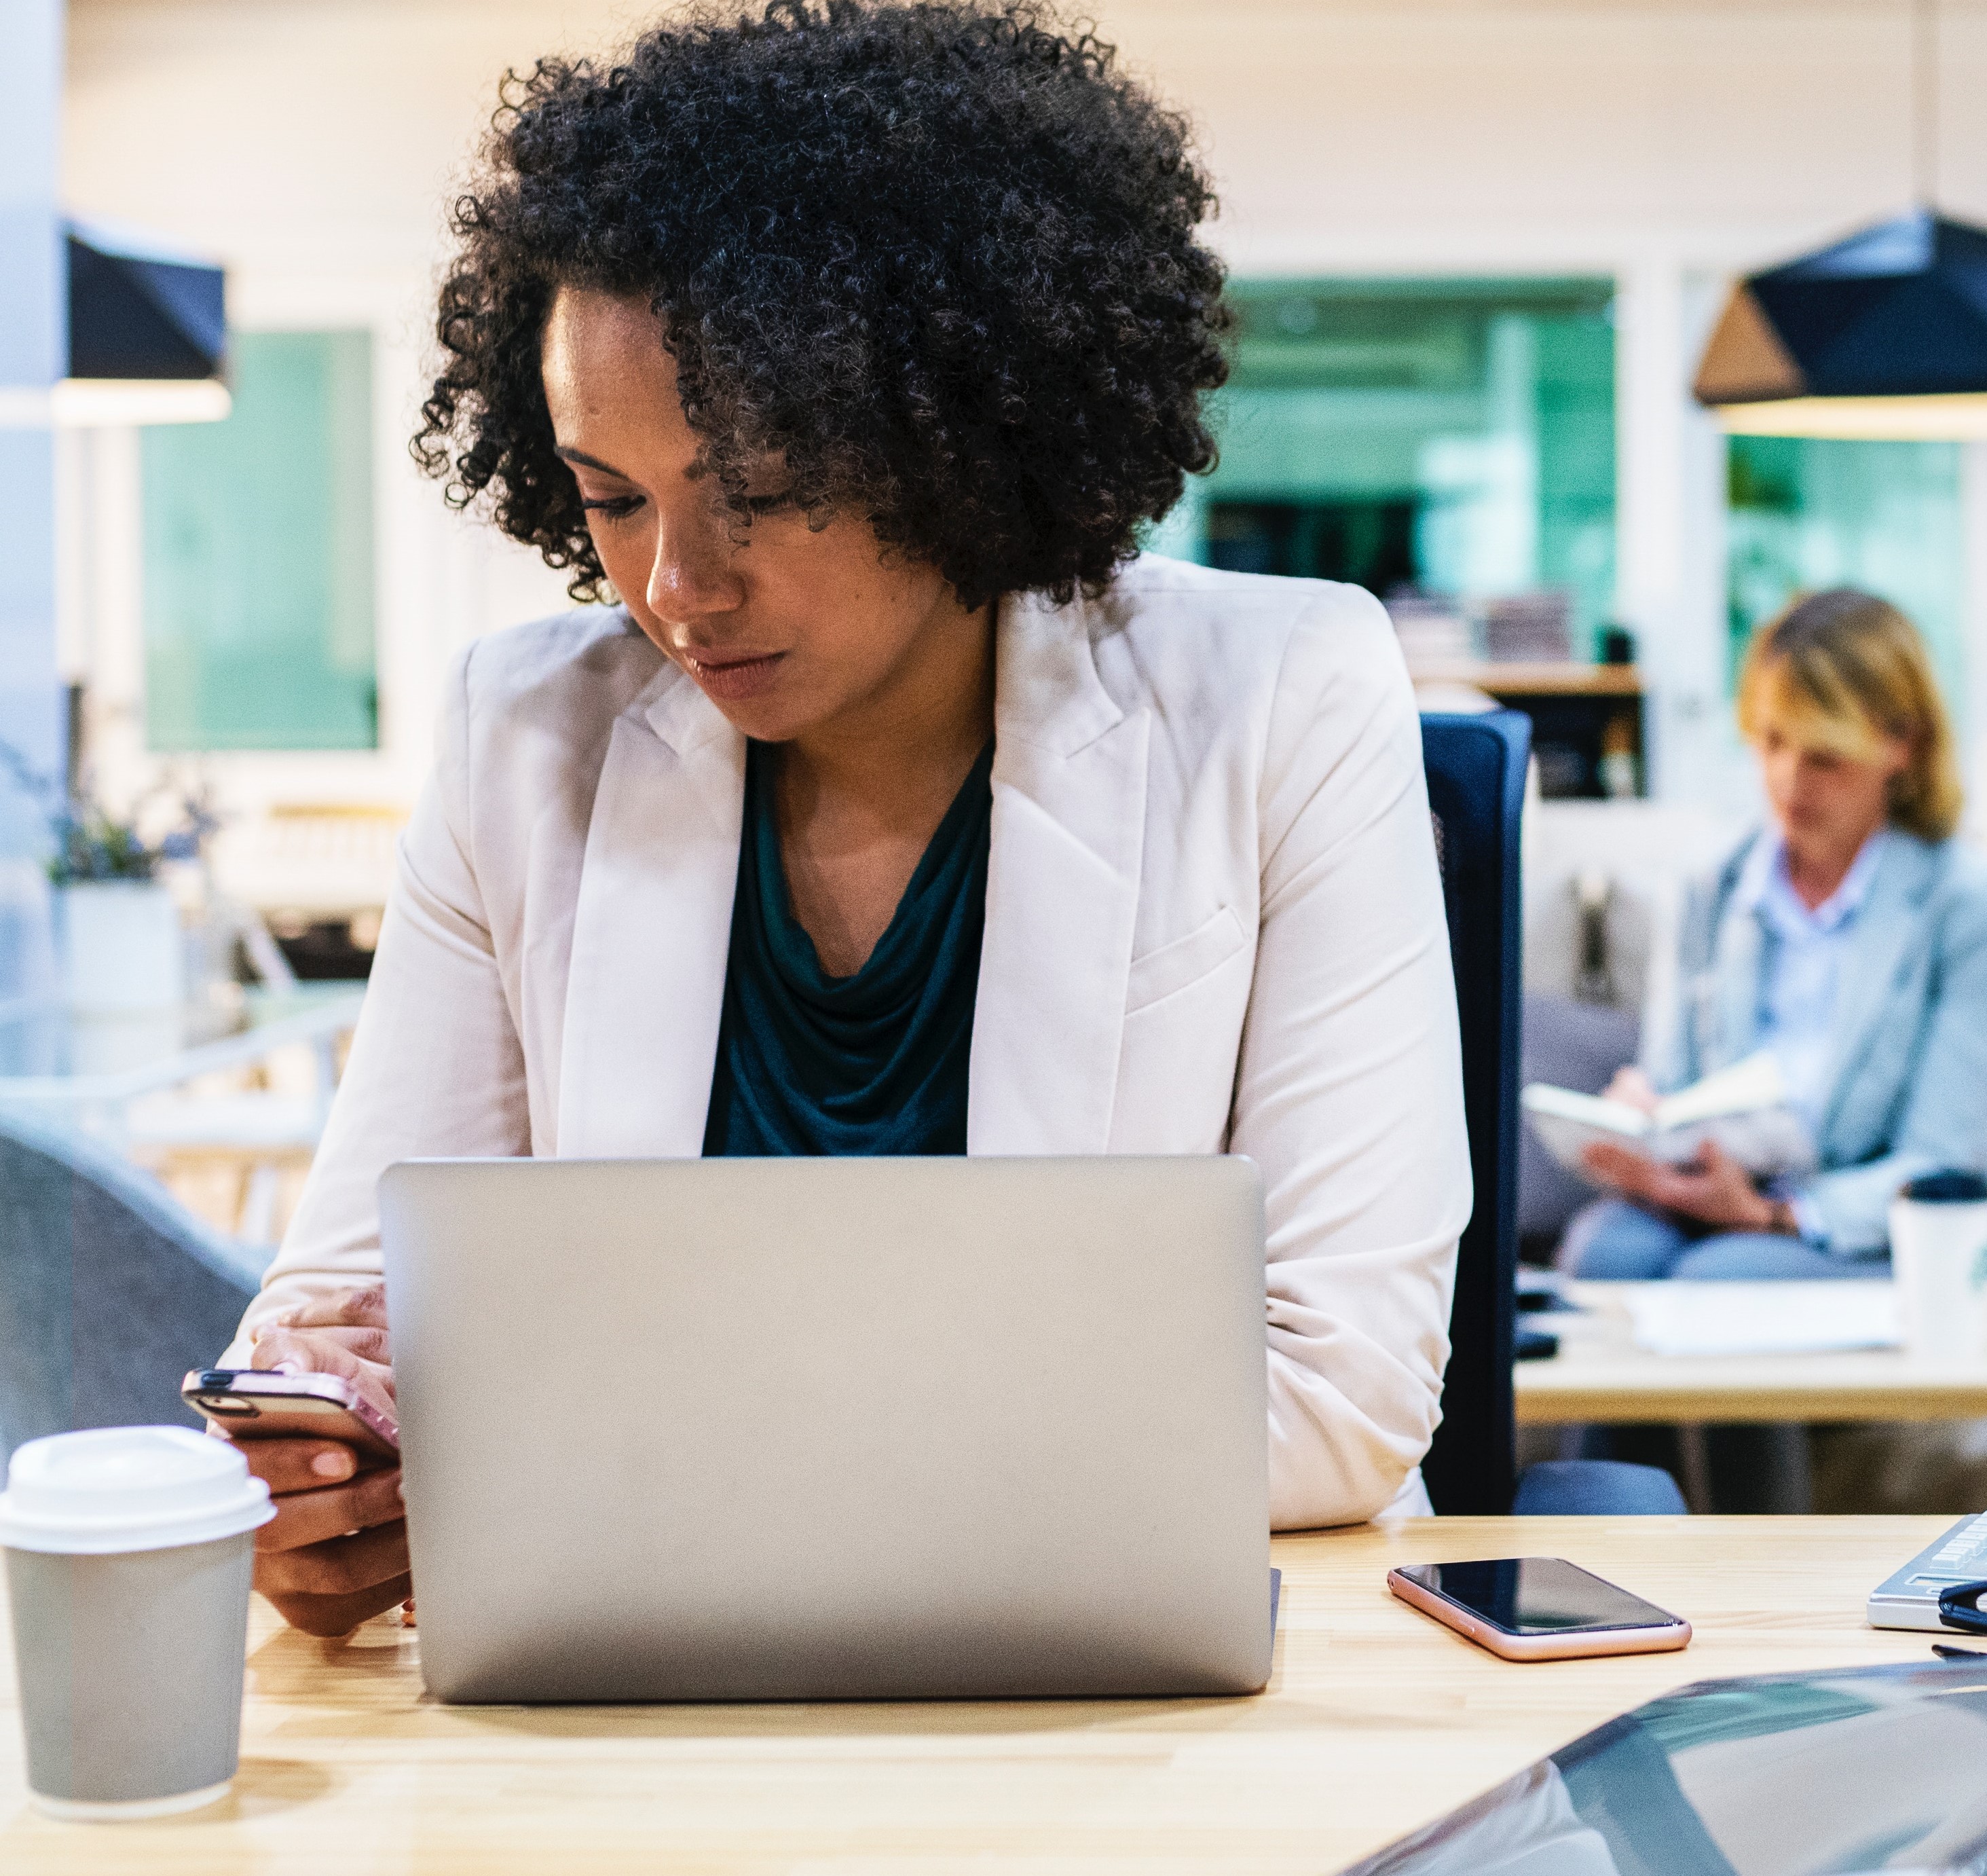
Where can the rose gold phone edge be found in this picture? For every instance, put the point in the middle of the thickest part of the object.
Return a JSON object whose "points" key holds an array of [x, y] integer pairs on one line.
{"points": [[354, 1421], [1575, 1644]]}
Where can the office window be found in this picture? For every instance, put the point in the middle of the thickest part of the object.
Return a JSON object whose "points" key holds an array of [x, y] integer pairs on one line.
{"points": [[258, 556], [1806, 513], [1453, 436]]}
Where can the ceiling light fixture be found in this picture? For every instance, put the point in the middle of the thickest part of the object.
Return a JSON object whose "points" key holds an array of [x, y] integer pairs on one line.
{"points": [[148, 338], [1881, 335]]}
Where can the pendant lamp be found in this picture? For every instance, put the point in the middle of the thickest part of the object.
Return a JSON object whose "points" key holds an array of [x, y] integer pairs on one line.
{"points": [[148, 338], [1882, 334]]}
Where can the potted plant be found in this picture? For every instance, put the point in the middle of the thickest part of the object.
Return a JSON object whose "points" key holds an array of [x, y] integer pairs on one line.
{"points": [[117, 926], [119, 944]]}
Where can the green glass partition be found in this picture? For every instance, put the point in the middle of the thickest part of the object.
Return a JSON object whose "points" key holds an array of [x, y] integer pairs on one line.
{"points": [[1806, 513], [259, 571], [1456, 436]]}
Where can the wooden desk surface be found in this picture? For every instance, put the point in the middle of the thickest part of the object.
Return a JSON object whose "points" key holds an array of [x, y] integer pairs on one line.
{"points": [[1600, 1375], [1376, 1720]]}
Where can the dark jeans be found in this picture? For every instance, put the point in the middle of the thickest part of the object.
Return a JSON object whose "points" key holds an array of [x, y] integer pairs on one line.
{"points": [[1615, 1241]]}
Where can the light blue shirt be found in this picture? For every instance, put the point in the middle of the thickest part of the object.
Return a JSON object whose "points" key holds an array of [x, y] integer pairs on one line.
{"points": [[1805, 948]]}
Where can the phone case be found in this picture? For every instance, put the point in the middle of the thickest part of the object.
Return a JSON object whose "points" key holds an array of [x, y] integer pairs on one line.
{"points": [[255, 1404], [1568, 1644]]}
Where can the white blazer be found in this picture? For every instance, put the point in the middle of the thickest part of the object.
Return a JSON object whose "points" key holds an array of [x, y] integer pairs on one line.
{"points": [[1214, 924]]}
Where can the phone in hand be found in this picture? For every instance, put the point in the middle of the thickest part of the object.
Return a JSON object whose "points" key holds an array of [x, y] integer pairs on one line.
{"points": [[1537, 1608], [252, 1403]]}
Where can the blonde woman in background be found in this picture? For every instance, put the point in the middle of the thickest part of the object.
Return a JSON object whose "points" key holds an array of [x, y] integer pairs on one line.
{"points": [[1849, 937]]}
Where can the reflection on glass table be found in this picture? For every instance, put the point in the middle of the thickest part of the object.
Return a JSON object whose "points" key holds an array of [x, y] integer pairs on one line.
{"points": [[1777, 1775], [52, 1055], [232, 1095]]}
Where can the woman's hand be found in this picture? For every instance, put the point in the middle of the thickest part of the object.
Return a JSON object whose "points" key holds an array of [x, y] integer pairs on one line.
{"points": [[1632, 1089], [1714, 1188], [336, 1551]]}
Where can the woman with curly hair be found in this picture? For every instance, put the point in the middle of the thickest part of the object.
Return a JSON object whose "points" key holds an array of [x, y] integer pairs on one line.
{"points": [[893, 803]]}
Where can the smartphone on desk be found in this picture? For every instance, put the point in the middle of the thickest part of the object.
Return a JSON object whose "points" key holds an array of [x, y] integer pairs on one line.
{"points": [[1537, 1608], [252, 1403]]}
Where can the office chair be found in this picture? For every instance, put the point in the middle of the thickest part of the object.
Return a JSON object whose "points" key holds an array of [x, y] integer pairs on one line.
{"points": [[110, 1289], [1475, 767]]}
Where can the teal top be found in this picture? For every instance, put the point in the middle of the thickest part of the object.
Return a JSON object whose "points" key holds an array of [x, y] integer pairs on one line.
{"points": [[876, 1063]]}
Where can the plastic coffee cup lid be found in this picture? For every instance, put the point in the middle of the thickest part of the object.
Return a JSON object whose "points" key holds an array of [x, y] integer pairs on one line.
{"points": [[128, 1488], [1946, 1188]]}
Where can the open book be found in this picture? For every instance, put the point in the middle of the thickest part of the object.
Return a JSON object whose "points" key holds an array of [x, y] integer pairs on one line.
{"points": [[1743, 1108]]}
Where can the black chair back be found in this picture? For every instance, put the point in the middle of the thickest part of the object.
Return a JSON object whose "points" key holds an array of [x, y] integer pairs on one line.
{"points": [[1475, 767]]}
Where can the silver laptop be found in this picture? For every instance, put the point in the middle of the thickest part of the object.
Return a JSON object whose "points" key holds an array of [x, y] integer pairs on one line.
{"points": [[793, 1430]]}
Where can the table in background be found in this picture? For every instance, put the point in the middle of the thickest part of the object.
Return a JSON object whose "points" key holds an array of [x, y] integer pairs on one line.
{"points": [[57, 1062], [1600, 1375], [1376, 1720], [121, 1080], [1579, 713]]}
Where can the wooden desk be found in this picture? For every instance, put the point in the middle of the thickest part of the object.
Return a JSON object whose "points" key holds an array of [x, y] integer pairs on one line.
{"points": [[1375, 1721], [1530, 677], [1580, 714], [1600, 1375]]}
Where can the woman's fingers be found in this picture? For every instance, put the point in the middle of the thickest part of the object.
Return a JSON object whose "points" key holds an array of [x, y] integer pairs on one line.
{"points": [[287, 1466], [338, 1566], [372, 1345], [1717, 1190], [310, 1517], [340, 1309], [338, 1615], [1628, 1172], [1677, 1192], [316, 1351], [320, 1351], [1713, 1189], [1634, 1088]]}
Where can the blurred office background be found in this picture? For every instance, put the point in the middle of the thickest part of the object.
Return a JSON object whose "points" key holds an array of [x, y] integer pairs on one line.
{"points": [[1477, 249]]}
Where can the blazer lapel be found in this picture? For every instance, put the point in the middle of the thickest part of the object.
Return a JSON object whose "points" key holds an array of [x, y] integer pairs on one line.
{"points": [[1740, 957], [652, 930], [1062, 892], [1887, 925]]}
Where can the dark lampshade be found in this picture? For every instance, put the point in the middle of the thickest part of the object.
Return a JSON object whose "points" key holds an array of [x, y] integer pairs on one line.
{"points": [[141, 315], [1882, 334], [148, 338]]}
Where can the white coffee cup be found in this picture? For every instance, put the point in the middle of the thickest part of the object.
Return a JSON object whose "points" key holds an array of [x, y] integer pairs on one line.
{"points": [[129, 1552], [1938, 1257]]}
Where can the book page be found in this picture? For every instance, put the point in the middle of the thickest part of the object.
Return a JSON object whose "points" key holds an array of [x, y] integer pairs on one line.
{"points": [[1614, 1117], [1756, 1082]]}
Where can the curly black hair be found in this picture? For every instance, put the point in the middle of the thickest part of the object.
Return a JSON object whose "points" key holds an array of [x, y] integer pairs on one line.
{"points": [[940, 254]]}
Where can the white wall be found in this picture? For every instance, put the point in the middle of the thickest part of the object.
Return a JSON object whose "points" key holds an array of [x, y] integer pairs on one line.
{"points": [[312, 146], [32, 349]]}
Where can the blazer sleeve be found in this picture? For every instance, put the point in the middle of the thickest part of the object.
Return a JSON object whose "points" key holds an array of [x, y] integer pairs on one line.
{"points": [[1945, 1119], [436, 1067], [1349, 1089]]}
